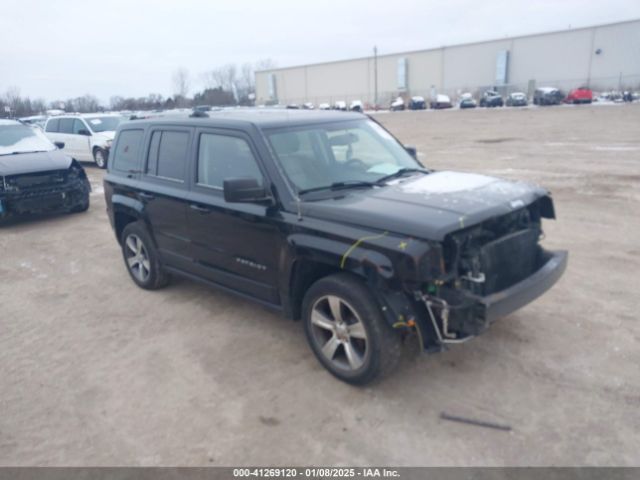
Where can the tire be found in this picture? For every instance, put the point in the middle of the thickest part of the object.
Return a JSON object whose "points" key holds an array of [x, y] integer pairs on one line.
{"points": [[342, 318], [142, 263], [100, 157]]}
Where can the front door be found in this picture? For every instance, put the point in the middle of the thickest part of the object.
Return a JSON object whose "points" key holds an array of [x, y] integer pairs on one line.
{"points": [[234, 244], [81, 140]]}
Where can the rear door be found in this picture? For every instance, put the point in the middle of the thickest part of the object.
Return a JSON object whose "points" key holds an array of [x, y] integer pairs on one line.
{"points": [[163, 191], [234, 244]]}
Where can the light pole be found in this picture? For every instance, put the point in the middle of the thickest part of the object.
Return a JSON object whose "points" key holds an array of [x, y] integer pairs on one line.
{"points": [[375, 77]]}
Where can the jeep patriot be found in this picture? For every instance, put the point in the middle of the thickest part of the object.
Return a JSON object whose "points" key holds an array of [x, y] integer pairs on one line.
{"points": [[328, 218]]}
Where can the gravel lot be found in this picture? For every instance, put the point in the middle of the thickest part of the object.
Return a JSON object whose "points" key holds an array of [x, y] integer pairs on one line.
{"points": [[94, 371]]}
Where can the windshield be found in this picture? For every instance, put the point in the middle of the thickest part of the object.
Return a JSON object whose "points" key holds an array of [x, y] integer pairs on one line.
{"points": [[321, 155], [18, 138], [104, 124]]}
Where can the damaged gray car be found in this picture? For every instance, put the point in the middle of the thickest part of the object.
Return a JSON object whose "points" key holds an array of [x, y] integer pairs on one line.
{"points": [[36, 176]]}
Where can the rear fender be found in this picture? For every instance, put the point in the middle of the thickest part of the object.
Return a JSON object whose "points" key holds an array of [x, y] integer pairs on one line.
{"points": [[123, 205]]}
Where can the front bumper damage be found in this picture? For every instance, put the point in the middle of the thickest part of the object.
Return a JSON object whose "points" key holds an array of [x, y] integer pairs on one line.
{"points": [[456, 317], [45, 199]]}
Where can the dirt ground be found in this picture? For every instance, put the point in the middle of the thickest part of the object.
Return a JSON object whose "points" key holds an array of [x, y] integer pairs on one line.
{"points": [[94, 371]]}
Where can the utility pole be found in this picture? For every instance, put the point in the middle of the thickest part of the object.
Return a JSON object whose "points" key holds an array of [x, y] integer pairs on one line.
{"points": [[375, 77]]}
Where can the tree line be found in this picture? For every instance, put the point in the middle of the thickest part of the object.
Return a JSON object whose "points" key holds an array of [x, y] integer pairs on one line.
{"points": [[226, 85]]}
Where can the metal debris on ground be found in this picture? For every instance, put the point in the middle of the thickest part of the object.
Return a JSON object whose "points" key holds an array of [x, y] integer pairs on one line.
{"points": [[471, 421]]}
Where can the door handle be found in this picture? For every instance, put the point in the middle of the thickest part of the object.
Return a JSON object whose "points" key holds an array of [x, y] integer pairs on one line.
{"points": [[146, 196], [200, 209]]}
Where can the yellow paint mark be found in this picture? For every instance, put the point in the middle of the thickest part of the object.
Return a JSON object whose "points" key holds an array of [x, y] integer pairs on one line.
{"points": [[356, 244], [411, 323], [403, 245]]}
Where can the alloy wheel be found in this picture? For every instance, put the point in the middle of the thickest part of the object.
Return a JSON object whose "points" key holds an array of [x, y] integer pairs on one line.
{"points": [[338, 332], [137, 258]]}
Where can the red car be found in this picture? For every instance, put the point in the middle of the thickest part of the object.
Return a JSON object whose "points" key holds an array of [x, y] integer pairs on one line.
{"points": [[580, 95]]}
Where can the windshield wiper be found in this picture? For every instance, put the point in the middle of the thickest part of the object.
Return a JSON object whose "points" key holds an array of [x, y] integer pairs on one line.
{"points": [[339, 186], [400, 173]]}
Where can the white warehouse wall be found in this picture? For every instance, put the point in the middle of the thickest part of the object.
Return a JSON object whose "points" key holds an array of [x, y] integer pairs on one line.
{"points": [[564, 59]]}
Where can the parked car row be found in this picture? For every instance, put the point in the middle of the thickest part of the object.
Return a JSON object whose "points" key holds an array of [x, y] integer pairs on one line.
{"points": [[354, 106], [492, 98]]}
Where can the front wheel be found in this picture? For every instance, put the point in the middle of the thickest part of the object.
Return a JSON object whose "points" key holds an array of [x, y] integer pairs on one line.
{"points": [[347, 332], [100, 157]]}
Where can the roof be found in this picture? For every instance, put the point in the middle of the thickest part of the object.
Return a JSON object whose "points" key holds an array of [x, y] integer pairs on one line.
{"points": [[86, 115], [261, 118]]}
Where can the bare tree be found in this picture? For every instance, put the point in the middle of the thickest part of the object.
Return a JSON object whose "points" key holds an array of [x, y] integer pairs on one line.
{"points": [[223, 77], [13, 99], [247, 78], [181, 85], [85, 104]]}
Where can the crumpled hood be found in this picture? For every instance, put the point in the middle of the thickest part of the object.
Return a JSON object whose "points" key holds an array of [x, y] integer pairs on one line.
{"points": [[427, 206], [33, 162]]}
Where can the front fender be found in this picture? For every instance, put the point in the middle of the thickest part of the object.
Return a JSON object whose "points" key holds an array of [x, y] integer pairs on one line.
{"points": [[356, 257]]}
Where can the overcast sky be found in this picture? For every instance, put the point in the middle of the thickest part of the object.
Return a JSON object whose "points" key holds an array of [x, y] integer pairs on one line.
{"points": [[66, 48]]}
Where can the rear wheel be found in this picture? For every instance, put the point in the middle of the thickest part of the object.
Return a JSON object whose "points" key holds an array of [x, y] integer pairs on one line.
{"points": [[100, 157], [347, 332], [141, 258]]}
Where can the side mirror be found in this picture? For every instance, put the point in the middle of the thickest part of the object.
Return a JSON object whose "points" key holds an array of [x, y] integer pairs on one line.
{"points": [[84, 132], [413, 151], [244, 190], [60, 145]]}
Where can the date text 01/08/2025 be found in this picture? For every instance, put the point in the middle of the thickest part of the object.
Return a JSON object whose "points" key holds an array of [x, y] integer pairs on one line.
{"points": [[315, 472]]}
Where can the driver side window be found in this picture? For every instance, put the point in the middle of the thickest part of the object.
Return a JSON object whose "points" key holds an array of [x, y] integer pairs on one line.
{"points": [[79, 125], [223, 156]]}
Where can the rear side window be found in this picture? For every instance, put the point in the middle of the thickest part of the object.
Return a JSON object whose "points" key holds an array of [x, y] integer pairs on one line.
{"points": [[125, 155], [168, 154], [221, 157], [52, 125], [66, 125]]}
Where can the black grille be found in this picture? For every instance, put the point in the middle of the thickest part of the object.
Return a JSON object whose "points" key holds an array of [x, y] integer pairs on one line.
{"points": [[509, 259], [36, 180]]}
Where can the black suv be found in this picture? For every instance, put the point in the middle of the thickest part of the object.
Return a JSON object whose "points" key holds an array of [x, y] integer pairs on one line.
{"points": [[328, 218]]}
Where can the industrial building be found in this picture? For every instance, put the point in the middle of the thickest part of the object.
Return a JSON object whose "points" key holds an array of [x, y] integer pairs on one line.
{"points": [[602, 57]]}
